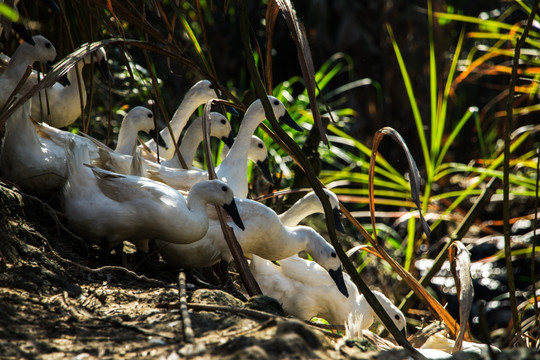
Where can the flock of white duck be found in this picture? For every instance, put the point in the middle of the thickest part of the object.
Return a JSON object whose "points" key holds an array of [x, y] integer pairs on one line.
{"points": [[109, 196]]}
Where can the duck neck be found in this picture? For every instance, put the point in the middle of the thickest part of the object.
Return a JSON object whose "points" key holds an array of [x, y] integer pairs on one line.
{"points": [[127, 138], [198, 219], [19, 126], [296, 213], [299, 239], [191, 140], [240, 147], [22, 57], [178, 121]]}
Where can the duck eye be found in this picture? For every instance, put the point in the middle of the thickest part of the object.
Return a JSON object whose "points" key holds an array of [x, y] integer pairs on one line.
{"points": [[223, 121], [276, 102], [150, 115], [333, 254], [48, 45], [224, 188], [260, 146], [396, 317]]}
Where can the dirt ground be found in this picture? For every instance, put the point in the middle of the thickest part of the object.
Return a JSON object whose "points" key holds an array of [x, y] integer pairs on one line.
{"points": [[57, 300]]}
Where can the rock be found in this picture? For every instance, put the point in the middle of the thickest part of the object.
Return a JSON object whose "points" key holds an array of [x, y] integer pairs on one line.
{"points": [[215, 297], [265, 303]]}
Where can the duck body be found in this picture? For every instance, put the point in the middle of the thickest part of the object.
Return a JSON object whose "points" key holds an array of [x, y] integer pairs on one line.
{"points": [[305, 290], [37, 165], [102, 205], [34, 157]]}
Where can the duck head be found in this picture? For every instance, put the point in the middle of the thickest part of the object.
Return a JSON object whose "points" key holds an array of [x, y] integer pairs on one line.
{"points": [[282, 114], [220, 193], [325, 255], [393, 312], [258, 153], [143, 119], [42, 49], [221, 127]]}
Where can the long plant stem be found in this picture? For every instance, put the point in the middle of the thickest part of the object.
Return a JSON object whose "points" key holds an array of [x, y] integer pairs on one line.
{"points": [[506, 175], [535, 226]]}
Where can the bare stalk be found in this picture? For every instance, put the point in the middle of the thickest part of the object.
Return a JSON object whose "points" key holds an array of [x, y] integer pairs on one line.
{"points": [[506, 169]]}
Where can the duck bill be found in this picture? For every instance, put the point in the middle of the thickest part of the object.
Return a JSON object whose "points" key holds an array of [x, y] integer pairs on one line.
{"points": [[21, 30], [228, 140], [288, 120], [337, 221], [265, 169], [103, 67], [337, 276], [232, 210], [156, 135]]}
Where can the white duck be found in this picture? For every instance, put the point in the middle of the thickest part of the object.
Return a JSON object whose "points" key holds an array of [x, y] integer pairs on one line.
{"points": [[305, 290], [233, 169], [198, 94], [264, 235], [220, 127], [33, 155], [25, 55], [102, 205], [60, 105]]}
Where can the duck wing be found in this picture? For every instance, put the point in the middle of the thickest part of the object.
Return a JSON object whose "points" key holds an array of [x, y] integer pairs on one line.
{"points": [[119, 191]]}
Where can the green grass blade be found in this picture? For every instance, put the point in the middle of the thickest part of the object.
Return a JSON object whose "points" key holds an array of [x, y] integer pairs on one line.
{"points": [[409, 252], [435, 123], [444, 103], [455, 132], [412, 100]]}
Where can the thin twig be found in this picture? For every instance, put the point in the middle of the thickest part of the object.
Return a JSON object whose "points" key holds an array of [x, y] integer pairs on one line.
{"points": [[535, 224], [247, 277], [186, 320], [506, 169]]}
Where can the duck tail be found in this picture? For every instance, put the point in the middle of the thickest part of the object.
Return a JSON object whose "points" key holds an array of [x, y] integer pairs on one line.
{"points": [[76, 156], [137, 167]]}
